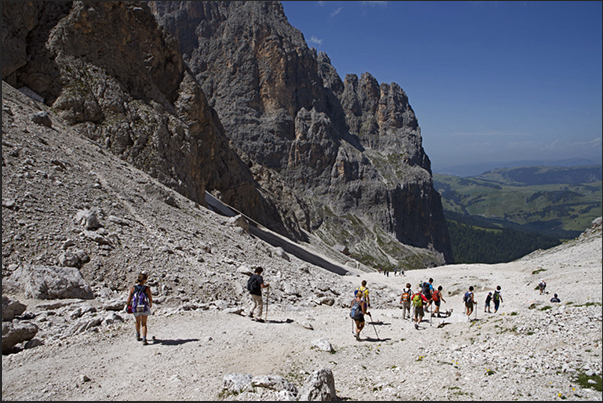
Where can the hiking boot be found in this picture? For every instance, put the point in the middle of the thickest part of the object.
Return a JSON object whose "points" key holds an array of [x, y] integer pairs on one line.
{"points": [[417, 326], [260, 320], [357, 335], [144, 342], [138, 337]]}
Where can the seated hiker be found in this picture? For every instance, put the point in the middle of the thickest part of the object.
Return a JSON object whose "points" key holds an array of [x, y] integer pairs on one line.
{"points": [[555, 299]]}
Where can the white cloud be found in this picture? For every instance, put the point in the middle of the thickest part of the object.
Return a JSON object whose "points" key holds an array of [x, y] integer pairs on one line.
{"points": [[334, 13], [321, 3], [316, 40], [374, 3]]}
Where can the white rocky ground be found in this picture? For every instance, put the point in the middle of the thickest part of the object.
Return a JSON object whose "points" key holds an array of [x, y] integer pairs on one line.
{"points": [[530, 350], [520, 353]]}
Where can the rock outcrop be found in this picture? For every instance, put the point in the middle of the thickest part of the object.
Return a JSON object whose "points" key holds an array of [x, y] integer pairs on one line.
{"points": [[349, 151], [235, 103], [109, 70]]}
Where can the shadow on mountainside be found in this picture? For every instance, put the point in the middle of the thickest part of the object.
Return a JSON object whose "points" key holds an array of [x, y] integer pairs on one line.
{"points": [[274, 239]]}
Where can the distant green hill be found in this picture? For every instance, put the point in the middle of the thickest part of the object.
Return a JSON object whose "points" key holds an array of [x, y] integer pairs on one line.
{"points": [[546, 202]]}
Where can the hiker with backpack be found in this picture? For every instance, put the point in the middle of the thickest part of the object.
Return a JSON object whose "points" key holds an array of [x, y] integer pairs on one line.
{"points": [[418, 301], [497, 298], [555, 299], [405, 301], [139, 304], [357, 311], [428, 291], [363, 289], [542, 286], [487, 304], [437, 300], [254, 286], [469, 301]]}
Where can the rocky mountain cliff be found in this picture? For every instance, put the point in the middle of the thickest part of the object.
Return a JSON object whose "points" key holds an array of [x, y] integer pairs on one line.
{"points": [[350, 150], [236, 103], [109, 70]]}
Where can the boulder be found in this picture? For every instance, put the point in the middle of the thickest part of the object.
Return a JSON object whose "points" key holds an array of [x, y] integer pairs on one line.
{"points": [[15, 333], [48, 282], [319, 386], [11, 308]]}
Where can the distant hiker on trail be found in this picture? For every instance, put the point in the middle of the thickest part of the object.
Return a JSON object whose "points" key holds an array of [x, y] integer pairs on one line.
{"points": [[469, 301], [255, 285], [357, 312], [140, 302], [363, 289], [487, 305], [418, 301], [497, 298], [555, 299], [437, 300], [405, 301], [542, 286]]}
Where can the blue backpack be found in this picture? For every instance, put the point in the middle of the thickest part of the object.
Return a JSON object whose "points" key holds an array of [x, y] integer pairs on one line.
{"points": [[140, 301], [356, 311]]}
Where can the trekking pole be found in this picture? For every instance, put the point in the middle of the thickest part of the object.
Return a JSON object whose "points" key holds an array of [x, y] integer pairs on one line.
{"points": [[267, 296], [430, 314], [373, 323]]}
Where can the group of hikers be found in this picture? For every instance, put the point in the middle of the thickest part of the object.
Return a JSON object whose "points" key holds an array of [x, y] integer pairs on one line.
{"points": [[140, 301], [421, 300]]}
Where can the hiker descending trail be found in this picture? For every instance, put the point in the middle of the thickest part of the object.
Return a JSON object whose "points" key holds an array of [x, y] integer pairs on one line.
{"points": [[469, 302], [418, 302], [357, 312], [139, 304], [405, 301], [497, 298], [254, 286]]}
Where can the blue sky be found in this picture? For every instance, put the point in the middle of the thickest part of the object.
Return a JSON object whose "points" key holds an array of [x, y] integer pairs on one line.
{"points": [[490, 82]]}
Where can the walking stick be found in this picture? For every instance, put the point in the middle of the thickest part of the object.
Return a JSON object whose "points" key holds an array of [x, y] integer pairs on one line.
{"points": [[267, 295], [372, 322]]}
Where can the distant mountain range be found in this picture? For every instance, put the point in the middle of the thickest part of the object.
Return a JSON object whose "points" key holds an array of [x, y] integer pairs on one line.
{"points": [[468, 170], [547, 201]]}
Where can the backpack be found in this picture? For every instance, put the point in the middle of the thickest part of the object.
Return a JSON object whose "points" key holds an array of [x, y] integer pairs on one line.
{"points": [[436, 295], [467, 297], [406, 294], [356, 311], [496, 296], [253, 285], [426, 289], [140, 301], [362, 290], [417, 300]]}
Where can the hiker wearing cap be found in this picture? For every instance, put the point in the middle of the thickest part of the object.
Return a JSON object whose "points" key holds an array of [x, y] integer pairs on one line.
{"points": [[437, 299], [487, 305], [418, 301], [255, 285], [405, 301], [555, 299], [497, 298]]}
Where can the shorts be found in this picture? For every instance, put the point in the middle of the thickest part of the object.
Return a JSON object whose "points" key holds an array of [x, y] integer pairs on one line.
{"points": [[146, 312], [437, 303], [469, 305], [360, 318], [419, 311]]}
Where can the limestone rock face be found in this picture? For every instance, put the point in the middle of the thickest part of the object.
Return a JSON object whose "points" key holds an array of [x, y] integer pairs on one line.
{"points": [[349, 153], [111, 71]]}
